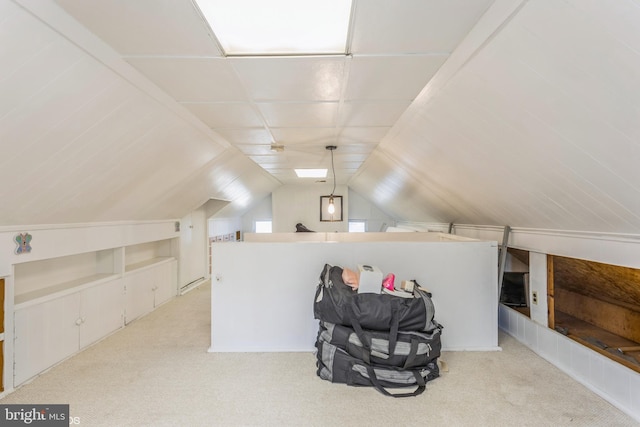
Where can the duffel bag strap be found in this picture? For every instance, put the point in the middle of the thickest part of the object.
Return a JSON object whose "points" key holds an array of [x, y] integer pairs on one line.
{"points": [[413, 352], [393, 330], [366, 345], [419, 380]]}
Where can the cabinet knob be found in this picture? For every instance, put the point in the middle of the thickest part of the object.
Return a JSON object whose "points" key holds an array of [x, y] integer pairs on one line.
{"points": [[78, 322]]}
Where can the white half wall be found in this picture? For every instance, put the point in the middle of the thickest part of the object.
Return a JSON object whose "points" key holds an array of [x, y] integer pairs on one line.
{"points": [[262, 293]]}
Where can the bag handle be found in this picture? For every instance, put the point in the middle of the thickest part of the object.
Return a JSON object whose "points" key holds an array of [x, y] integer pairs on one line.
{"points": [[366, 345], [413, 352], [419, 380], [393, 331]]}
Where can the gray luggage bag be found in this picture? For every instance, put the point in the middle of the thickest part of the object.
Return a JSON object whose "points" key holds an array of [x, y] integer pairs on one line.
{"points": [[337, 366], [413, 349]]}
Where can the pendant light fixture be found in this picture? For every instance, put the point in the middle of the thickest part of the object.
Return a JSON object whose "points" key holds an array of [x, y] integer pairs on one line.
{"points": [[332, 207]]}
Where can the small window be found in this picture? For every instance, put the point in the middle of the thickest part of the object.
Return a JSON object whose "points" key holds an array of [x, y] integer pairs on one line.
{"points": [[263, 226], [357, 226]]}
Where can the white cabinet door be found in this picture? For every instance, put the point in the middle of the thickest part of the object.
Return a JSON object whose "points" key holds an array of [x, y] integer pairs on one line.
{"points": [[166, 285], [45, 334], [101, 311], [139, 298]]}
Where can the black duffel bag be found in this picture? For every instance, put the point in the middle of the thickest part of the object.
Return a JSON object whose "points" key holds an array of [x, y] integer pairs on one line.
{"points": [[337, 366], [412, 350], [338, 303]]}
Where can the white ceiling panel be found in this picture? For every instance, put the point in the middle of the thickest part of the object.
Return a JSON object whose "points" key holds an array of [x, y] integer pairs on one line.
{"points": [[296, 114], [146, 27], [370, 134], [34, 38], [54, 132], [617, 19], [218, 178], [391, 77], [202, 79], [292, 79], [292, 100], [295, 136], [242, 136], [226, 115], [256, 150], [413, 26], [35, 130], [27, 80], [375, 114]]}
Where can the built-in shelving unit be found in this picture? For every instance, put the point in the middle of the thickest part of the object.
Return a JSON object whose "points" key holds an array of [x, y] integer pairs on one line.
{"points": [[64, 304], [147, 254], [38, 281], [60, 289], [146, 264]]}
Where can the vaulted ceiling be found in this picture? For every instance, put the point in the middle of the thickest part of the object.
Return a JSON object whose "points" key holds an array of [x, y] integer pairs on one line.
{"points": [[487, 112]]}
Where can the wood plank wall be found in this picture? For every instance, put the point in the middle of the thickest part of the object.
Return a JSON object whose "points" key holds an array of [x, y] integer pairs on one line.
{"points": [[604, 295]]}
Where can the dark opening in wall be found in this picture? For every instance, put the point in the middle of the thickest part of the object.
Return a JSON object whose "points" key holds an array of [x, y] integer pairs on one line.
{"points": [[515, 283], [597, 305]]}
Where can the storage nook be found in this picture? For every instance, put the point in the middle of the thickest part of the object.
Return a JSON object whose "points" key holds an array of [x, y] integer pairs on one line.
{"points": [[515, 292], [597, 305], [150, 277], [63, 304]]}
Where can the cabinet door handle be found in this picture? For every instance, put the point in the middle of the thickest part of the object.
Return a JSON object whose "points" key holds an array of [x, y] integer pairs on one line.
{"points": [[78, 322]]}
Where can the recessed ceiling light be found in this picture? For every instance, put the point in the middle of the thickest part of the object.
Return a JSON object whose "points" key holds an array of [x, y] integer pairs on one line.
{"points": [[311, 173], [279, 27]]}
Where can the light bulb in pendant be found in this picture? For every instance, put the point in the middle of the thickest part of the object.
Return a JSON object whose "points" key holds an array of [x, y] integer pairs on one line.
{"points": [[331, 208]]}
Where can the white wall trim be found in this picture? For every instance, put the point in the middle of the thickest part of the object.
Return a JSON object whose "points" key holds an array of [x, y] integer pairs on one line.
{"points": [[22, 228], [610, 248]]}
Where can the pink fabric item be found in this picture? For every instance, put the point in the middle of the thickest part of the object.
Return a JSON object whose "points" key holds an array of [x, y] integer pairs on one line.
{"points": [[388, 282]]}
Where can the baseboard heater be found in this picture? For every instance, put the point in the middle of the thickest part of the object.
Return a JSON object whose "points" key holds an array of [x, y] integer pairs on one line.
{"points": [[193, 284]]}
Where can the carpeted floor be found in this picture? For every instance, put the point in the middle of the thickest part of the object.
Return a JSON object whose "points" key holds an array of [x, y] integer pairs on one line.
{"points": [[157, 372]]}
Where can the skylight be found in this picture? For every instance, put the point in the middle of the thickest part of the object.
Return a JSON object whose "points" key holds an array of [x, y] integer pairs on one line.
{"points": [[311, 173], [279, 27]]}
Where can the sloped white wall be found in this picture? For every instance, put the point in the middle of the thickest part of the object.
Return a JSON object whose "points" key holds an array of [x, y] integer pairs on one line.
{"points": [[532, 122], [360, 208], [86, 138]]}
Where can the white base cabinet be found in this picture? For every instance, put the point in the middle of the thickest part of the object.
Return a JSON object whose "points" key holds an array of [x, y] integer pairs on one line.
{"points": [[62, 305], [102, 312], [148, 287], [50, 331]]}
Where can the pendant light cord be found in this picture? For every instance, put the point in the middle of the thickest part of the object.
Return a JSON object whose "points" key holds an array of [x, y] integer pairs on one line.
{"points": [[333, 170]]}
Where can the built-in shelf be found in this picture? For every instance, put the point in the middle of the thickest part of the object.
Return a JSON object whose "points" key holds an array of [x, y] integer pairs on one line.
{"points": [[149, 263], [60, 289]]}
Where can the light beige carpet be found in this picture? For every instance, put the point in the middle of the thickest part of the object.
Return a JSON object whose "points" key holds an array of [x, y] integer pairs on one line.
{"points": [[157, 372]]}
